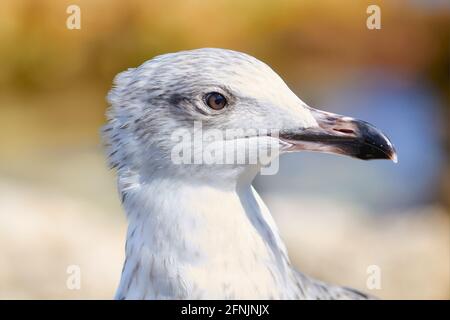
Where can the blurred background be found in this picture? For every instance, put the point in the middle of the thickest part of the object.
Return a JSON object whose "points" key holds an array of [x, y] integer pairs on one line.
{"points": [[58, 202]]}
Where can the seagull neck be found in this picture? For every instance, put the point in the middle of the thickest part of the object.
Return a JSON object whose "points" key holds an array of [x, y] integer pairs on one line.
{"points": [[198, 233]]}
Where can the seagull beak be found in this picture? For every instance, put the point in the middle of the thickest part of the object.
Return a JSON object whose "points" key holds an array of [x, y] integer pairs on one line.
{"points": [[340, 135]]}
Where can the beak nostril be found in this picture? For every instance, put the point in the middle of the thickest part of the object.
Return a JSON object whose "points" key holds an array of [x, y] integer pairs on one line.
{"points": [[348, 131]]}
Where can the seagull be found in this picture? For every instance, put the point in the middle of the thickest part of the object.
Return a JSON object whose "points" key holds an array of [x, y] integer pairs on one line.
{"points": [[199, 230]]}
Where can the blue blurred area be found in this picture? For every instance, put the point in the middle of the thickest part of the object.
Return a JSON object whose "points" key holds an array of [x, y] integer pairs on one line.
{"points": [[408, 113], [432, 4]]}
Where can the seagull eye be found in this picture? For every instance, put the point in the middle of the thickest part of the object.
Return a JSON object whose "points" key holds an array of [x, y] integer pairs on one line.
{"points": [[215, 100]]}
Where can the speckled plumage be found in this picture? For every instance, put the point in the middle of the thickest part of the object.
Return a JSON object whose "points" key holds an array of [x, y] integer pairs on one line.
{"points": [[201, 231]]}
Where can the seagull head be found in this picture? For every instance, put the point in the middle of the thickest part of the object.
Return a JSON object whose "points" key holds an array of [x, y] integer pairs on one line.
{"points": [[176, 108]]}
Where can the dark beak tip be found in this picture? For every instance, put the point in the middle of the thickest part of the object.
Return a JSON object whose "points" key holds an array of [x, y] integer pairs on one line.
{"points": [[390, 151], [374, 146], [371, 153], [376, 143], [393, 156]]}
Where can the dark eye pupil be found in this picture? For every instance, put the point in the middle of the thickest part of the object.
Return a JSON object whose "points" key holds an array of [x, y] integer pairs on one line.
{"points": [[215, 100], [218, 99]]}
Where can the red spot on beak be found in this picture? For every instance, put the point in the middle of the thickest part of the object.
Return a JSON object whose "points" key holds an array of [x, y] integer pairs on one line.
{"points": [[348, 131]]}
